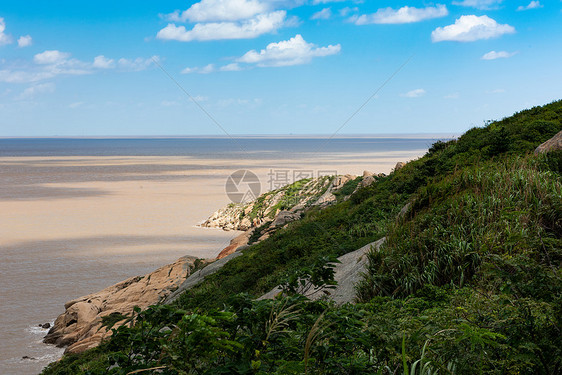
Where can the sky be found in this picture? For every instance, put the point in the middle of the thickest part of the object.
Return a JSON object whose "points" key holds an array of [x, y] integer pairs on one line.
{"points": [[217, 67]]}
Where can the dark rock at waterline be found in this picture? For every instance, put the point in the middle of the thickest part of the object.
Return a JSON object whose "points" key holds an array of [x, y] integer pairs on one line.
{"points": [[28, 358], [45, 325]]}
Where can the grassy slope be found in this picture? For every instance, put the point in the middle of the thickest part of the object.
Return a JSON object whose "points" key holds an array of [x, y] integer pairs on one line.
{"points": [[474, 267], [350, 225]]}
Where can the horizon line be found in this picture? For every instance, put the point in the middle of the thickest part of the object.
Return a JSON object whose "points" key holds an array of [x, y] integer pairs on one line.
{"points": [[244, 136]]}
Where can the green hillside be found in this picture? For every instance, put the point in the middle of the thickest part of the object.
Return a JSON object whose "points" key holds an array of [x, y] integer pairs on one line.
{"points": [[468, 280]]}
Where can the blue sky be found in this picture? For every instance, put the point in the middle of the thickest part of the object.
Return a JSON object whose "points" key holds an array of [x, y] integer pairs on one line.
{"points": [[72, 68]]}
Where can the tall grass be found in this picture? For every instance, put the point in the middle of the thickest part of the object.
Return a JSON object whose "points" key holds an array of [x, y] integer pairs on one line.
{"points": [[505, 208]]}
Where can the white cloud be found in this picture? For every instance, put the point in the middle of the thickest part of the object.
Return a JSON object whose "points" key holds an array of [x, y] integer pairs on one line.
{"points": [[76, 105], [496, 91], [251, 28], [323, 14], [24, 41], [4, 38], [532, 5], [414, 93], [207, 69], [203, 70], [345, 11], [103, 62], [30, 92], [234, 67], [137, 64], [403, 15], [471, 28], [493, 55], [51, 57], [316, 2], [250, 103], [479, 4], [295, 51], [11, 76], [454, 95], [220, 10], [52, 63]]}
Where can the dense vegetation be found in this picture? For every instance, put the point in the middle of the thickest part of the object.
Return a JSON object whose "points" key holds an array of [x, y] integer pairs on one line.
{"points": [[468, 280]]}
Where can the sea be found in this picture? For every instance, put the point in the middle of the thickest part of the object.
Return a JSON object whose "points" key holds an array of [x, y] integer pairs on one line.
{"points": [[80, 214]]}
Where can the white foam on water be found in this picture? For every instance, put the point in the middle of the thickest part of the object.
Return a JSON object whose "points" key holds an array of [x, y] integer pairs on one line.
{"points": [[39, 354]]}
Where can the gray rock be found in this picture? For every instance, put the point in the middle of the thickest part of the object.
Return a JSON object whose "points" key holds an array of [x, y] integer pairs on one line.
{"points": [[284, 217], [196, 277], [245, 224], [367, 173], [399, 166], [404, 210], [367, 181], [347, 273], [553, 144]]}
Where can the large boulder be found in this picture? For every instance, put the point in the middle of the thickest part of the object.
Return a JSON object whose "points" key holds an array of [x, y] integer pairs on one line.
{"points": [[347, 273], [236, 243], [199, 276], [553, 144], [80, 326], [366, 181], [285, 217], [399, 166]]}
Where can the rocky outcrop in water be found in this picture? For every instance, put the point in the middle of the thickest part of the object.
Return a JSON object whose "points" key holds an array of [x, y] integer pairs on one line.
{"points": [[80, 326], [294, 199]]}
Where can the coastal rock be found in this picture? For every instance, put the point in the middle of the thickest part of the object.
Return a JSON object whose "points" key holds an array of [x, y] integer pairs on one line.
{"points": [[366, 181], [294, 198], [347, 273], [553, 144], [399, 166], [245, 224], [198, 276], [236, 243], [284, 217], [80, 326], [404, 210], [342, 180]]}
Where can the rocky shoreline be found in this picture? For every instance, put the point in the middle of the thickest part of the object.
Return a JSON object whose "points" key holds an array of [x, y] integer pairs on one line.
{"points": [[81, 326]]}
